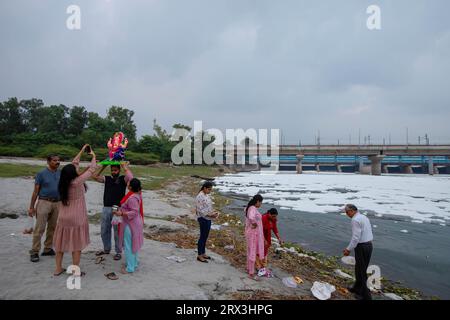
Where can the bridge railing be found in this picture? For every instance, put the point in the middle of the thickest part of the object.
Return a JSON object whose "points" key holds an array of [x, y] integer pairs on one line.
{"points": [[318, 159]]}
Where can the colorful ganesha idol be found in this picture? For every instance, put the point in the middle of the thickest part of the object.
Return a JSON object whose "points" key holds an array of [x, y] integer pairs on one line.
{"points": [[117, 145]]}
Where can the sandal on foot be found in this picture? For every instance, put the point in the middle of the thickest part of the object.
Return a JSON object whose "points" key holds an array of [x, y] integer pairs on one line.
{"points": [[206, 257], [117, 256], [99, 259], [59, 273], [202, 260], [111, 276]]}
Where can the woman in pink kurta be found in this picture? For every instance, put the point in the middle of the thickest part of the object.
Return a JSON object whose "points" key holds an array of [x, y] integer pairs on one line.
{"points": [[131, 230], [254, 234], [72, 228]]}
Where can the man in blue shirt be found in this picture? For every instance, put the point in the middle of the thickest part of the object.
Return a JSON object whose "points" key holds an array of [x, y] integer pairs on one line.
{"points": [[45, 208]]}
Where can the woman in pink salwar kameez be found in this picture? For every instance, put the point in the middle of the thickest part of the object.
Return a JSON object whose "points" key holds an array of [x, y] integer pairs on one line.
{"points": [[254, 234]]}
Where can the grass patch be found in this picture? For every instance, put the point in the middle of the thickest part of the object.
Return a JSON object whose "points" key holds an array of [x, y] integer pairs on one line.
{"points": [[158, 176], [8, 170], [152, 177]]}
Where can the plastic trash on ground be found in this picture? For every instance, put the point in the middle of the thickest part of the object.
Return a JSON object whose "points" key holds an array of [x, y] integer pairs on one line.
{"points": [[393, 296], [342, 274], [229, 247], [262, 272], [322, 290], [176, 258], [215, 227], [290, 282], [348, 260], [298, 280]]}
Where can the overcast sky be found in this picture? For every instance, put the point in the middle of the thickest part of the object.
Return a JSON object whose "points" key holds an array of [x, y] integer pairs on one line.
{"points": [[300, 66]]}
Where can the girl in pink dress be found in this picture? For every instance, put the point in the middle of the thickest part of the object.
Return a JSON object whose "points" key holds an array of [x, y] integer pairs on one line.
{"points": [[72, 228], [254, 234]]}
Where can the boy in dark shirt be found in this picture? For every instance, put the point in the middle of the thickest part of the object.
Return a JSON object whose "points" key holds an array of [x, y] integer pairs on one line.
{"points": [[115, 189]]}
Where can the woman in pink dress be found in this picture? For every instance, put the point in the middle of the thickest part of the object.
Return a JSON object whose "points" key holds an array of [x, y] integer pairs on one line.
{"points": [[72, 228], [254, 235], [131, 230]]}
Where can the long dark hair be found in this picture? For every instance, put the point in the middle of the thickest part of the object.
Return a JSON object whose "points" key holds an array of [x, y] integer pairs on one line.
{"points": [[253, 201], [206, 185], [68, 174]]}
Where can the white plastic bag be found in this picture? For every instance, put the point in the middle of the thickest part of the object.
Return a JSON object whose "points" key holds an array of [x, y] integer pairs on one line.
{"points": [[348, 260], [176, 258], [322, 290], [116, 220], [289, 282]]}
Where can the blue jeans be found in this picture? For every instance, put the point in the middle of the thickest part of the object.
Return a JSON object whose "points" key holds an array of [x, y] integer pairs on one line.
{"points": [[131, 258], [106, 231], [205, 226]]}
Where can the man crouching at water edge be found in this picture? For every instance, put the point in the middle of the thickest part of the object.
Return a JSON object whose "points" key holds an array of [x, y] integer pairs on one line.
{"points": [[362, 243]]}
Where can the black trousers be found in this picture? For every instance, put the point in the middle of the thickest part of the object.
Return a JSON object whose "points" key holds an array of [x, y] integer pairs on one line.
{"points": [[363, 253], [205, 226]]}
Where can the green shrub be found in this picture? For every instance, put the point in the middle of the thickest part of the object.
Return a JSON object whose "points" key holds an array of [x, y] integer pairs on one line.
{"points": [[64, 152], [67, 153], [141, 158], [16, 151]]}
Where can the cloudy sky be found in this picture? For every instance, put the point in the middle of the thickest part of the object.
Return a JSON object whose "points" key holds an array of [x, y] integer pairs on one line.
{"points": [[300, 66]]}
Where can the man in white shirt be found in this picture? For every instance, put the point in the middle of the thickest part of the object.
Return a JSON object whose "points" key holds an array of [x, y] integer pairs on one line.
{"points": [[362, 243]]}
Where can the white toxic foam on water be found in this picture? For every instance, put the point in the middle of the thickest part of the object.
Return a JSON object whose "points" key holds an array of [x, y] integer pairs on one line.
{"points": [[420, 198]]}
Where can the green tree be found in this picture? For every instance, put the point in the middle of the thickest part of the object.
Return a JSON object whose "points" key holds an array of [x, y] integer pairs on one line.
{"points": [[122, 119], [78, 118], [98, 130], [30, 113], [10, 118], [53, 119]]}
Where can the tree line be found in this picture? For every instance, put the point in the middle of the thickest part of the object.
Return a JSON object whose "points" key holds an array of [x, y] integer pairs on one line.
{"points": [[27, 126]]}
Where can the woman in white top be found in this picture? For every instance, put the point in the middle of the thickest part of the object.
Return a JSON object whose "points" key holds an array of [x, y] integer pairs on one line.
{"points": [[205, 213]]}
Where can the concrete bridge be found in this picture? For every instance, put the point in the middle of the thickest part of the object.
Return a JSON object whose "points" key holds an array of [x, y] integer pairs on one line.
{"points": [[369, 159]]}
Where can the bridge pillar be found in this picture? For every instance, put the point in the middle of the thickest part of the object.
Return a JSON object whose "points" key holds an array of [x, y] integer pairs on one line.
{"points": [[361, 165], [407, 169], [299, 163], [376, 164], [430, 166], [317, 167], [338, 168]]}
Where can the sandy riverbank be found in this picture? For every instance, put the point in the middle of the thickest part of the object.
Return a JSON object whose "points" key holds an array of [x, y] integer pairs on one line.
{"points": [[157, 277]]}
